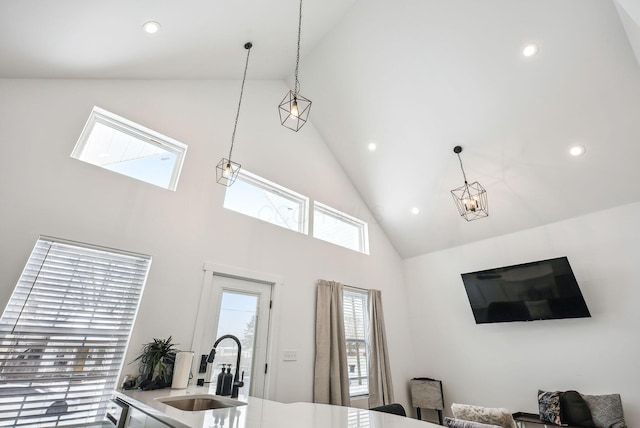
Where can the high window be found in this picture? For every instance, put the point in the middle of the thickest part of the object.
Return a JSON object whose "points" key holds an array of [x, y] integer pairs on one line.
{"points": [[339, 228], [120, 145], [262, 199], [356, 338], [64, 333]]}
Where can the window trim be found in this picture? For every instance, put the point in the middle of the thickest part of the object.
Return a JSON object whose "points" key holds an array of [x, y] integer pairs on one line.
{"points": [[307, 208], [269, 186], [362, 226], [135, 130]]}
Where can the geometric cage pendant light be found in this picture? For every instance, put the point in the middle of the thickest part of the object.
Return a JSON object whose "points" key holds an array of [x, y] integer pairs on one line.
{"points": [[227, 170], [294, 108], [470, 199]]}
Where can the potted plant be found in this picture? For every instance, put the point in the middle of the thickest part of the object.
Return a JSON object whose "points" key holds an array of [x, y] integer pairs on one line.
{"points": [[156, 363]]}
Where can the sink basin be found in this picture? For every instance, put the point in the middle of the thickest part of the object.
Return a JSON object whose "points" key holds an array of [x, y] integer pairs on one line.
{"points": [[199, 402]]}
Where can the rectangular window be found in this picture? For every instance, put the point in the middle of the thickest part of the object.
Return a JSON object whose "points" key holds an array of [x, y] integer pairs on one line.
{"points": [[356, 334], [64, 333], [120, 145], [339, 228], [262, 199]]}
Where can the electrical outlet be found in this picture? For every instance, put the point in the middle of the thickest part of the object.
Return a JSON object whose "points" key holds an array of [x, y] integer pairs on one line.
{"points": [[289, 355], [203, 364]]}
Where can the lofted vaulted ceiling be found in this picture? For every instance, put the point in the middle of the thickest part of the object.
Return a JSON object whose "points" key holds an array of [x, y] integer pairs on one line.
{"points": [[415, 77]]}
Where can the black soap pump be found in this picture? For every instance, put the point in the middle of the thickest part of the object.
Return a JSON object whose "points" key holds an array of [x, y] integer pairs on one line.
{"points": [[227, 381], [220, 381]]}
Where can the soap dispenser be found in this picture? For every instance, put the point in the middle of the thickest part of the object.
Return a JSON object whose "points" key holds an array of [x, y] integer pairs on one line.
{"points": [[227, 381], [220, 381]]}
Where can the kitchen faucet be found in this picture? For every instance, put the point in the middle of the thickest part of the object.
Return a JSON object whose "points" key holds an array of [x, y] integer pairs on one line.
{"points": [[237, 382]]}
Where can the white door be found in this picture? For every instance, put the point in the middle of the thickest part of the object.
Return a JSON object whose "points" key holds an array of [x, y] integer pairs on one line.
{"points": [[243, 311]]}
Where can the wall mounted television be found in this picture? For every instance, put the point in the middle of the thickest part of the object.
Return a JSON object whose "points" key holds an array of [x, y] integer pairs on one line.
{"points": [[541, 290]]}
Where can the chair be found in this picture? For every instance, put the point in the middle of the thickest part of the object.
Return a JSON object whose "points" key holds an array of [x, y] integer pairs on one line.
{"points": [[394, 408]]}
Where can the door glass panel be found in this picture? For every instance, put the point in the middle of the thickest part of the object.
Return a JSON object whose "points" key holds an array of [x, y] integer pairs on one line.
{"points": [[237, 317]]}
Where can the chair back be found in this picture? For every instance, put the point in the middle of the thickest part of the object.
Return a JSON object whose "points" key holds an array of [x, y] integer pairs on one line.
{"points": [[395, 408]]}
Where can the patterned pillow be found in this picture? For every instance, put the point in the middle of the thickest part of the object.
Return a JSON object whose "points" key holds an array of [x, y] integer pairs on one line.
{"points": [[606, 410], [549, 407], [486, 415], [459, 423]]}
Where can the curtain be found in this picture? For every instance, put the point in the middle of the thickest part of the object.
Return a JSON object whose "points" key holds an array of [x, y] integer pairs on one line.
{"points": [[331, 378], [380, 385]]}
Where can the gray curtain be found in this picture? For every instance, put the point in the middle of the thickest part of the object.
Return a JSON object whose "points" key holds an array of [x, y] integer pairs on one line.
{"points": [[331, 379], [380, 385]]}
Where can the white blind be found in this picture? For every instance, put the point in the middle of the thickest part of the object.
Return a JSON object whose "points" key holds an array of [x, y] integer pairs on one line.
{"points": [[355, 330], [64, 333]]}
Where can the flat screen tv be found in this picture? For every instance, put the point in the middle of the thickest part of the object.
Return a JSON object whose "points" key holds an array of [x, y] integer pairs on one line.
{"points": [[541, 290]]}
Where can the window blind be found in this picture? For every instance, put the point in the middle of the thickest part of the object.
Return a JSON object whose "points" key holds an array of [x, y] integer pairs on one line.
{"points": [[64, 333], [355, 326]]}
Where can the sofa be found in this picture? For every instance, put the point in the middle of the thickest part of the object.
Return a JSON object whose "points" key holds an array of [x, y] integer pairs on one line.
{"points": [[469, 416], [560, 408], [580, 410]]}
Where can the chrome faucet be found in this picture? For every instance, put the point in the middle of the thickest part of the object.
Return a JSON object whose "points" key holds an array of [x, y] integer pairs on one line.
{"points": [[237, 381]]}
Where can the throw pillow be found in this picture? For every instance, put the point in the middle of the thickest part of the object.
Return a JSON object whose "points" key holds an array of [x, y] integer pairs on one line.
{"points": [[606, 410], [549, 407], [486, 415], [574, 410], [459, 423]]}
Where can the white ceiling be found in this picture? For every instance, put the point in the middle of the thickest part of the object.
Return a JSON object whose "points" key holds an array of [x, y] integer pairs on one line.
{"points": [[417, 77], [199, 39]]}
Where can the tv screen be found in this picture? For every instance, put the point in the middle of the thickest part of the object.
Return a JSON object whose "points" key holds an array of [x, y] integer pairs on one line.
{"points": [[540, 290]]}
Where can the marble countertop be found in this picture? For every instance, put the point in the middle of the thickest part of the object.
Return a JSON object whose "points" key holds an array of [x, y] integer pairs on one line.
{"points": [[259, 413]]}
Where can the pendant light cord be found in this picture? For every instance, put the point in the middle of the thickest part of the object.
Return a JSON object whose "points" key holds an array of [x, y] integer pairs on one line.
{"points": [[248, 47], [296, 88], [463, 174]]}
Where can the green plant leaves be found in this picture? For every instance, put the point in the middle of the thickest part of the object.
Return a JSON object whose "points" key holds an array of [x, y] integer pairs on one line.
{"points": [[157, 358]]}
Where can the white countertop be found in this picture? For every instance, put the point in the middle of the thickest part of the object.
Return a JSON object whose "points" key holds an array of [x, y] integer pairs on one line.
{"points": [[259, 413]]}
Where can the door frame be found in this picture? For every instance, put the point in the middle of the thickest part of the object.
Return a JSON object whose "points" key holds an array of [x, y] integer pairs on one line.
{"points": [[208, 310]]}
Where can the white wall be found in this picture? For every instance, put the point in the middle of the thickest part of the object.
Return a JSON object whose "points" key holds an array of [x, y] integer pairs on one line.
{"points": [[44, 191], [504, 365]]}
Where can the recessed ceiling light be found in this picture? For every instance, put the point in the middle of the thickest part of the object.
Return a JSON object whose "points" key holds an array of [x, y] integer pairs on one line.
{"points": [[415, 210], [577, 150], [372, 147], [151, 27], [530, 50]]}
